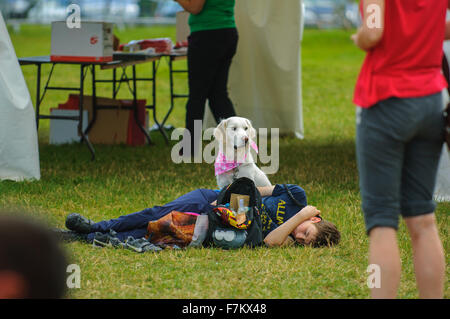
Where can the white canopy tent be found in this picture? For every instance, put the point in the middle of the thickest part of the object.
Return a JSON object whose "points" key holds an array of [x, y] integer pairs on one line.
{"points": [[19, 154], [265, 76]]}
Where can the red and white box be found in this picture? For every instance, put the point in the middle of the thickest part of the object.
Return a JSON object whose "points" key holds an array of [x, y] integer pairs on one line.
{"points": [[159, 45], [92, 42]]}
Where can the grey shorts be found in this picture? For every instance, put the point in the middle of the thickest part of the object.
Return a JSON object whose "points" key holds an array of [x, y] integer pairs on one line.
{"points": [[398, 146]]}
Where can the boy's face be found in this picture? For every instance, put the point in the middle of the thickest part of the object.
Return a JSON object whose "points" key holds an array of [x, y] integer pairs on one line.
{"points": [[306, 232]]}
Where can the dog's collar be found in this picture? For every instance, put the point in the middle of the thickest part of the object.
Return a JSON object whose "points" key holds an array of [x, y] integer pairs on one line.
{"points": [[223, 165]]}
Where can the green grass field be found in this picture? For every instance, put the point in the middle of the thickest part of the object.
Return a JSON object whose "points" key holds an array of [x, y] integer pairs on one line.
{"points": [[125, 179]]}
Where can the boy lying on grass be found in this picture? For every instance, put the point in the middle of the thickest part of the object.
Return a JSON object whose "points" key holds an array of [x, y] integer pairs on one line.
{"points": [[285, 220]]}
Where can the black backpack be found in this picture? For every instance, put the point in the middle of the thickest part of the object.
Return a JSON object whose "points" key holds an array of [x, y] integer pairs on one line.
{"points": [[252, 236]]}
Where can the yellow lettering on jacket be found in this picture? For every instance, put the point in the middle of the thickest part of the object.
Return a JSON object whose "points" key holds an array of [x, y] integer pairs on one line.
{"points": [[281, 211]]}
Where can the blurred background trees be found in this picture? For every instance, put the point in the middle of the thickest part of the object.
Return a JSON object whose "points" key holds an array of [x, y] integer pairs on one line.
{"points": [[318, 13]]}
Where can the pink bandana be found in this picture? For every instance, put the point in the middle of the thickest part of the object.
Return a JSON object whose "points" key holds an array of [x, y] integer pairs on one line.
{"points": [[223, 165]]}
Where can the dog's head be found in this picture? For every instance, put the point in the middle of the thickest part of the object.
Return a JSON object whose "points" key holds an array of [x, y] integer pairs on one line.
{"points": [[234, 133]]}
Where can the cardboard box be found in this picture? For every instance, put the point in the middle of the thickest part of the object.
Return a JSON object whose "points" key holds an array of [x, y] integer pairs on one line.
{"points": [[234, 205], [135, 135], [234, 201], [112, 126], [65, 131], [93, 42]]}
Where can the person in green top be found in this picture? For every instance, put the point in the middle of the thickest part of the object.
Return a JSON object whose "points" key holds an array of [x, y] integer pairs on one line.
{"points": [[216, 14], [211, 47]]}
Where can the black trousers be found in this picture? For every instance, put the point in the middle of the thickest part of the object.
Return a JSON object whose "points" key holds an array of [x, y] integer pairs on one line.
{"points": [[210, 54]]}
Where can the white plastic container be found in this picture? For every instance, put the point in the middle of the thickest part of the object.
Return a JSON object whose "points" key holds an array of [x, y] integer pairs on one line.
{"points": [[92, 42], [66, 131]]}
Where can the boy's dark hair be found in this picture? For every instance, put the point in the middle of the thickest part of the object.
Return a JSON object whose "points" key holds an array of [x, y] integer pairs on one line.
{"points": [[32, 251], [328, 235]]}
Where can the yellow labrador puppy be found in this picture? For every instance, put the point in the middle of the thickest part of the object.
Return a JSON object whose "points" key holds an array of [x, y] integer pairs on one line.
{"points": [[235, 136]]}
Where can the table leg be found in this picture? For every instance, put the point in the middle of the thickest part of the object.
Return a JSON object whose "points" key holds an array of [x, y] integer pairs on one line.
{"points": [[114, 83], [171, 92], [94, 101], [38, 95], [160, 127], [80, 122], [135, 108]]}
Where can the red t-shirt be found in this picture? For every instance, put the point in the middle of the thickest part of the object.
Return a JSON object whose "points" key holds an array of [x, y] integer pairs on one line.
{"points": [[407, 61]]}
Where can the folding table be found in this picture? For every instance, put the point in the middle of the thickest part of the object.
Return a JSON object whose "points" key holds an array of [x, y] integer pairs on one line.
{"points": [[121, 60]]}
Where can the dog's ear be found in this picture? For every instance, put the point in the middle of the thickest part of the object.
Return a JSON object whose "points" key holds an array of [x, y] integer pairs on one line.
{"points": [[219, 131], [252, 131]]}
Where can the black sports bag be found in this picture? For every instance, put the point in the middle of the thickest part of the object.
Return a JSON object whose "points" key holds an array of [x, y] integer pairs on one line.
{"points": [[229, 237]]}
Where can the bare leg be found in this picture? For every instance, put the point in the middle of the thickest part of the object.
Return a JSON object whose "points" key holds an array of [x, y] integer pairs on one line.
{"points": [[429, 262], [383, 251]]}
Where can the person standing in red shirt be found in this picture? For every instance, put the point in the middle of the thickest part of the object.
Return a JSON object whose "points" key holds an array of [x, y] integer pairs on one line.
{"points": [[399, 136]]}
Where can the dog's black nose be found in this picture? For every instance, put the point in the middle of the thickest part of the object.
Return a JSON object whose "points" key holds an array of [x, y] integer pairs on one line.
{"points": [[245, 139]]}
